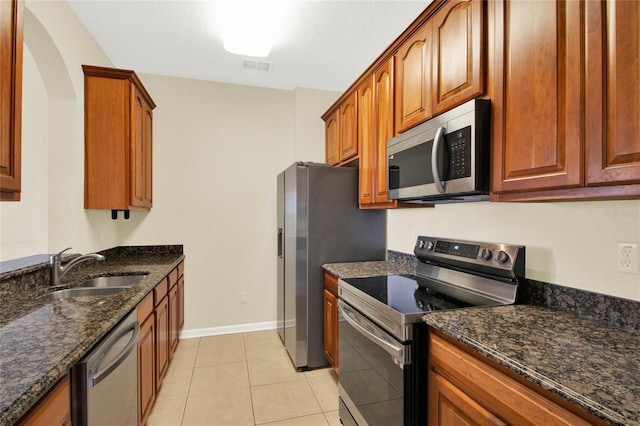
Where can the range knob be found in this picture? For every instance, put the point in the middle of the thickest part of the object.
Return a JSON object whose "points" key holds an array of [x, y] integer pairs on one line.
{"points": [[420, 244], [485, 254], [429, 245], [502, 257]]}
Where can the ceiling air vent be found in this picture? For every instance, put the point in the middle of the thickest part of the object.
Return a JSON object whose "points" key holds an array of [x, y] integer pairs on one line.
{"points": [[250, 64]]}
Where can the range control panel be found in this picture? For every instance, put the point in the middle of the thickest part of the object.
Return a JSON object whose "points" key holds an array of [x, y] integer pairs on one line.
{"points": [[471, 254]]}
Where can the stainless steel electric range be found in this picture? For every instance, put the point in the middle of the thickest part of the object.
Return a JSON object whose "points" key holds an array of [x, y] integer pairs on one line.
{"points": [[383, 338]]}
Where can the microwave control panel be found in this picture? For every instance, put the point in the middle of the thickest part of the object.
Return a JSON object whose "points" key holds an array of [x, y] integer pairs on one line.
{"points": [[459, 151]]}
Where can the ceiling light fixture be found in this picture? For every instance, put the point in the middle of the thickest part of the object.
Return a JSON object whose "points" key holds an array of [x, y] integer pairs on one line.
{"points": [[249, 27]]}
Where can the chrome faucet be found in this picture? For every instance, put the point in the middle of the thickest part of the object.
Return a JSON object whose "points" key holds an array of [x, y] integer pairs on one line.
{"points": [[57, 271]]}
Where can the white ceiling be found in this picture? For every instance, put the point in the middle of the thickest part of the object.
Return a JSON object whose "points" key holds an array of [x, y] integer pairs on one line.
{"points": [[324, 45]]}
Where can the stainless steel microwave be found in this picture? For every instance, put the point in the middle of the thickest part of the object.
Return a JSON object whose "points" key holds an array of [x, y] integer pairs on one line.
{"points": [[445, 159]]}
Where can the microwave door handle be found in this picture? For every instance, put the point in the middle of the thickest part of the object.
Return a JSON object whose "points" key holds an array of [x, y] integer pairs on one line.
{"points": [[435, 156]]}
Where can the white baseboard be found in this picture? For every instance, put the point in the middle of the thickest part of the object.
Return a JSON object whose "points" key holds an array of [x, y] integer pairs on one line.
{"points": [[229, 329]]}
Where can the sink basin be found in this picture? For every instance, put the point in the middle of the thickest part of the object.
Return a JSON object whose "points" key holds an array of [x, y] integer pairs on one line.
{"points": [[114, 281], [83, 292], [100, 286]]}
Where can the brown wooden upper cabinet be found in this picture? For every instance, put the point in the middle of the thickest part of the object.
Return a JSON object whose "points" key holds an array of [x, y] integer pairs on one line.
{"points": [[375, 127], [612, 93], [118, 140], [442, 64], [11, 46], [555, 138], [457, 54], [413, 79], [341, 132]]}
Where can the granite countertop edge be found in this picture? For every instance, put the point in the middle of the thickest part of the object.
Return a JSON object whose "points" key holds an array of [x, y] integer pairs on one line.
{"points": [[108, 310]]}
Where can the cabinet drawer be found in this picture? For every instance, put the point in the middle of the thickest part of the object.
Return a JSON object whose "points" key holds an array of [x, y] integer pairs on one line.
{"points": [[173, 277], [145, 308], [180, 269], [160, 291], [331, 283]]}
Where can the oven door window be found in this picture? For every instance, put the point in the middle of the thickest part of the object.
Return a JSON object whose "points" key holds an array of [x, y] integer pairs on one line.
{"points": [[373, 383]]}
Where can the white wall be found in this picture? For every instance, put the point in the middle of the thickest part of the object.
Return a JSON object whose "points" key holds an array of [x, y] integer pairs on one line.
{"points": [[217, 151], [571, 244], [50, 216], [24, 225]]}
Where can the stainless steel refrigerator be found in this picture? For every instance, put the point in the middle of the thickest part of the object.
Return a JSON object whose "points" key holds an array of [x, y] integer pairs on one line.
{"points": [[318, 222]]}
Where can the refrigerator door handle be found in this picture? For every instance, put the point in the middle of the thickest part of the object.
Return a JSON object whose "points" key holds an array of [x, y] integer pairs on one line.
{"points": [[280, 243]]}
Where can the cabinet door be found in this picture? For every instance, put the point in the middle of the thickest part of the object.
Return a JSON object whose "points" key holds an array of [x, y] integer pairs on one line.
{"points": [[180, 304], [458, 54], [331, 328], [146, 369], [383, 89], [613, 98], [162, 340], [147, 149], [11, 35], [537, 117], [137, 154], [332, 139], [448, 405], [366, 141], [413, 79], [173, 319], [348, 128]]}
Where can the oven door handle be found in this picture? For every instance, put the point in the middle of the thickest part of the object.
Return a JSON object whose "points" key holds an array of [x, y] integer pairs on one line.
{"points": [[441, 185], [373, 332]]}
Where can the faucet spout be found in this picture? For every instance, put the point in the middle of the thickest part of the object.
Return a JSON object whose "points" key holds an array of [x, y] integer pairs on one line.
{"points": [[57, 271]]}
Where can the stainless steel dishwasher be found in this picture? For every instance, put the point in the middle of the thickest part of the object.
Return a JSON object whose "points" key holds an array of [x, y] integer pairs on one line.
{"points": [[104, 383]]}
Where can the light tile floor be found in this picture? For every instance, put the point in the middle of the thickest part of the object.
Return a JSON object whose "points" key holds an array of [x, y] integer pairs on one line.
{"points": [[243, 379]]}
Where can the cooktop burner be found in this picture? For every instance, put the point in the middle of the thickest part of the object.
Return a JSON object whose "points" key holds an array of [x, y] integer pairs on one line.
{"points": [[410, 294]]}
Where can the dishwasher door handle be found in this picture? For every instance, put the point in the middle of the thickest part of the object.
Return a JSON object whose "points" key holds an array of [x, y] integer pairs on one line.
{"points": [[97, 377]]}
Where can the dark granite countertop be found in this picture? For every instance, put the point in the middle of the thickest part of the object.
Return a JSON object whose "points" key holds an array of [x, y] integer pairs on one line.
{"points": [[40, 339], [593, 365], [571, 342], [366, 269]]}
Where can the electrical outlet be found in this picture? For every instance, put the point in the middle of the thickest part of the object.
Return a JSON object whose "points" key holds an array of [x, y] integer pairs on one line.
{"points": [[628, 258], [244, 297]]}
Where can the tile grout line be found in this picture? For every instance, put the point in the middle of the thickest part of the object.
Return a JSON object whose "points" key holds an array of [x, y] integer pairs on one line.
{"points": [[246, 363], [193, 369]]}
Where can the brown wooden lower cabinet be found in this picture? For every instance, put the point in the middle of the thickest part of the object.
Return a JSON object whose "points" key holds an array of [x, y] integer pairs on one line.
{"points": [[54, 409], [162, 340], [469, 389], [180, 304], [161, 317], [331, 319], [174, 319], [146, 359]]}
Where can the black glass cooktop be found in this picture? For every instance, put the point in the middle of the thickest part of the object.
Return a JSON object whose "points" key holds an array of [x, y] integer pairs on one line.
{"points": [[410, 294]]}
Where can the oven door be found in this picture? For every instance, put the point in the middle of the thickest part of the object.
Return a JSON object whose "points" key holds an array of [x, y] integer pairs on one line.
{"points": [[375, 377]]}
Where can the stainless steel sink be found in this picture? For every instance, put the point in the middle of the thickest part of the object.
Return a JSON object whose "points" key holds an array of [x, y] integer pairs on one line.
{"points": [[100, 286], [83, 292], [114, 281]]}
